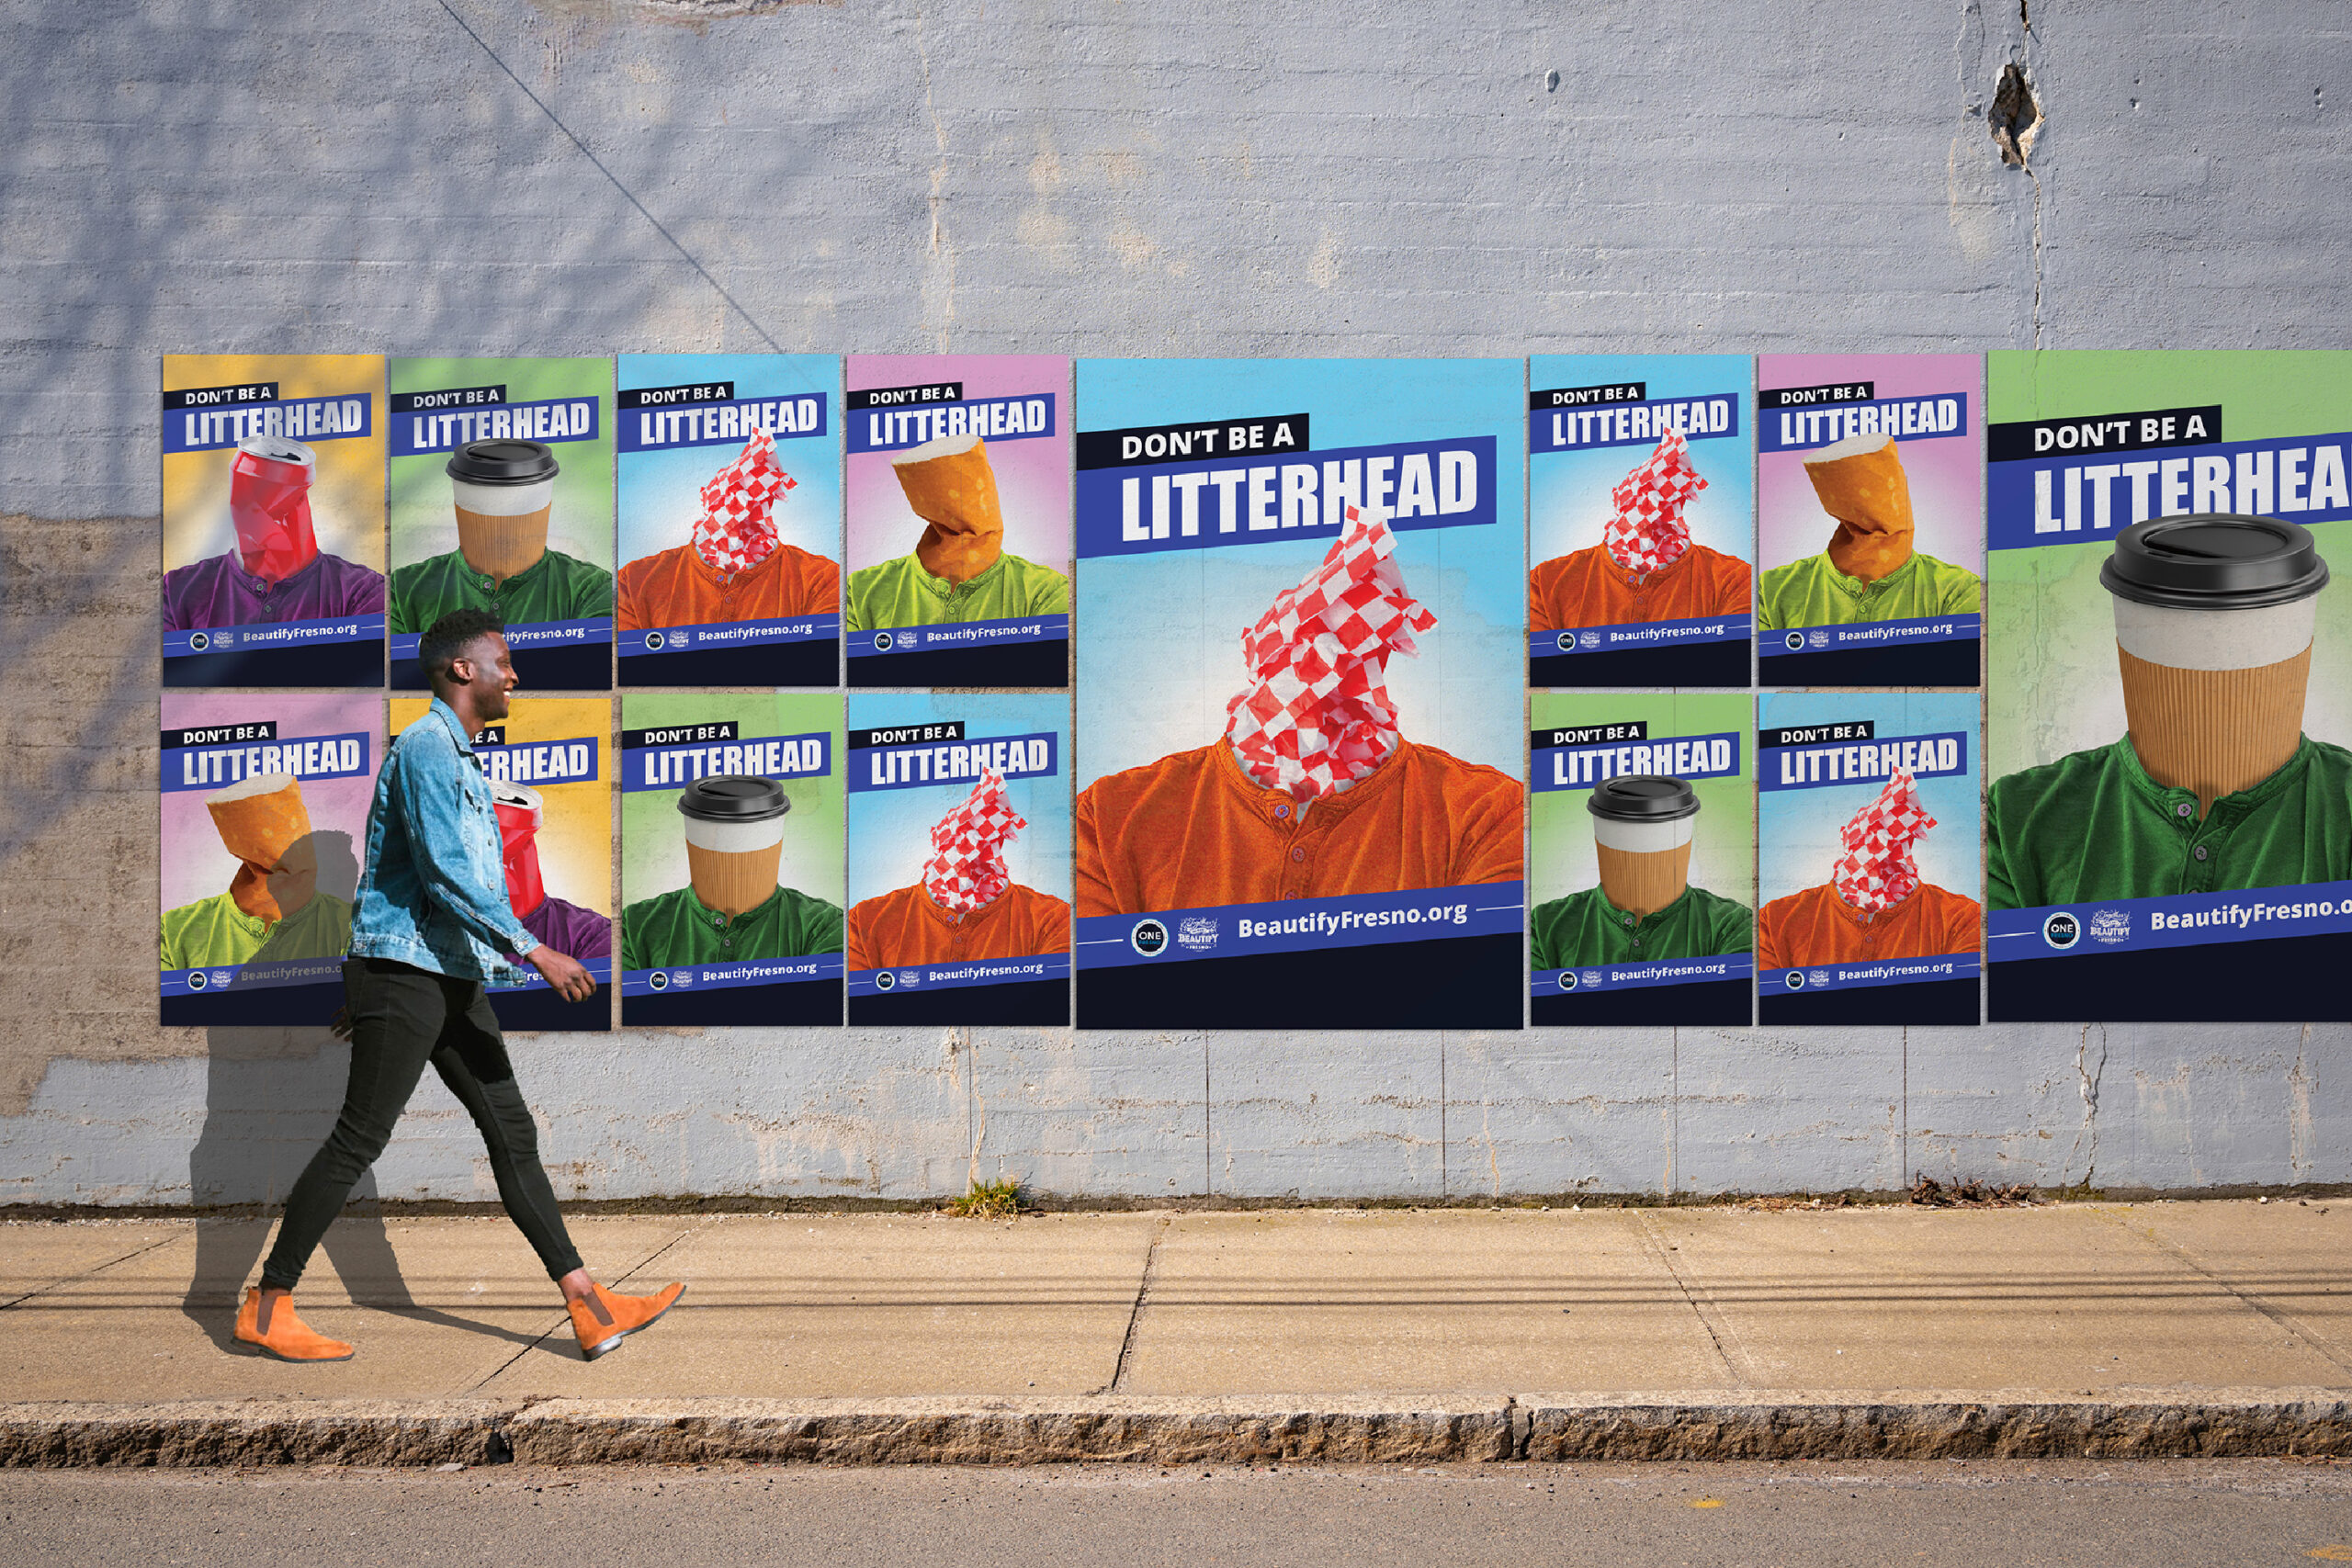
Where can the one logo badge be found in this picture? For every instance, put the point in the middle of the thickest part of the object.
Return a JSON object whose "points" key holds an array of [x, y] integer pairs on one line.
{"points": [[1793, 642], [1567, 981], [658, 981], [1148, 938], [884, 642], [197, 980], [2111, 926], [885, 981], [1197, 932], [655, 642], [1795, 980], [1564, 641], [2061, 930], [197, 642]]}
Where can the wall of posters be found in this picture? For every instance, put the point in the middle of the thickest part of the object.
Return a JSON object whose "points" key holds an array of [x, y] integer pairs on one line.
{"points": [[2170, 700], [1300, 716], [960, 531], [1640, 519], [265, 803], [959, 865], [1642, 874], [500, 495], [730, 506], [731, 884], [549, 767], [1869, 519], [273, 520], [1868, 817]]}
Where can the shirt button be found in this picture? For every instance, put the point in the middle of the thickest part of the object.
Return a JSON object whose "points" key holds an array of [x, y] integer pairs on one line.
{"points": [[2200, 852], [1282, 810], [1627, 918], [2183, 809], [727, 941], [1298, 854], [483, 580], [717, 919]]}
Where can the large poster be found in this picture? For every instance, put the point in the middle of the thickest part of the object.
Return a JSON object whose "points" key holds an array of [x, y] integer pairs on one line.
{"points": [[959, 868], [501, 490], [1870, 487], [1642, 828], [959, 535], [1868, 855], [1641, 519], [273, 520], [731, 884], [264, 819], [548, 763], [731, 520], [2170, 685], [1300, 716]]}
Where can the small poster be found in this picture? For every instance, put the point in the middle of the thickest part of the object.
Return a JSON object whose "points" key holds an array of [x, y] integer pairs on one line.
{"points": [[1868, 840], [2169, 831], [731, 884], [959, 520], [502, 500], [1641, 519], [731, 520], [1641, 819], [959, 867], [548, 763], [1869, 519], [264, 821], [1302, 729], [273, 520]]}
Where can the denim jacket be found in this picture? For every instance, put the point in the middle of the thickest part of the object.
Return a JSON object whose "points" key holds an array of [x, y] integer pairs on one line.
{"points": [[434, 893]]}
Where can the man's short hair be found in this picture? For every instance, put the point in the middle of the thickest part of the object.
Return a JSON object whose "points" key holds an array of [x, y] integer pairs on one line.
{"points": [[449, 637]]}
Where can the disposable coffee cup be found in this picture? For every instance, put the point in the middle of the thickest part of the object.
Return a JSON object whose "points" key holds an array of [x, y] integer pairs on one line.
{"points": [[502, 490], [734, 839], [1640, 827], [2214, 615]]}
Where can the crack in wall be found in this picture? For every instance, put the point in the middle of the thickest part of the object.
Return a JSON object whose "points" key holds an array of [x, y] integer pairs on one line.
{"points": [[2088, 1075]]}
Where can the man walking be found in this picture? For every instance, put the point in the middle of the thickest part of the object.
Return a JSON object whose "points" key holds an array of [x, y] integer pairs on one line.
{"points": [[431, 925]]}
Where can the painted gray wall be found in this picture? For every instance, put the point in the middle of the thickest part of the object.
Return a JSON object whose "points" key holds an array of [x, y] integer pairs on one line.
{"points": [[1287, 178]]}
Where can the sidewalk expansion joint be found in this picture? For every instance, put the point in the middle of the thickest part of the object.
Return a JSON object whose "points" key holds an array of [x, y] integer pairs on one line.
{"points": [[86, 1273], [1135, 1314], [2278, 1316], [1718, 1331]]}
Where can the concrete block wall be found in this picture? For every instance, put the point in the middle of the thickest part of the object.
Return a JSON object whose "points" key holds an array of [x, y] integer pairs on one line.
{"points": [[1293, 178]]}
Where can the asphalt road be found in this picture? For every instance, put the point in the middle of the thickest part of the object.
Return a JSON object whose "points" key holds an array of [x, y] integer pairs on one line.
{"points": [[2014, 1515]]}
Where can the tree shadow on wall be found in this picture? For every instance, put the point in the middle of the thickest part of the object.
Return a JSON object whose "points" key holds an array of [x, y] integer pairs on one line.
{"points": [[271, 1094]]}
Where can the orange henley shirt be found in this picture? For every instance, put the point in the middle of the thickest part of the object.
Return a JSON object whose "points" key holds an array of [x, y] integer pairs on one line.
{"points": [[1193, 831], [678, 588], [906, 927], [1819, 927], [1586, 588]]}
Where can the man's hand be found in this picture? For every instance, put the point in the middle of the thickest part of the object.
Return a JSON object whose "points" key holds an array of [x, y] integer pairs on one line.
{"points": [[571, 982]]}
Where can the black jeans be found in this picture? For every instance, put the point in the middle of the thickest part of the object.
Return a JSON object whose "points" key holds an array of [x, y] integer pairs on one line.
{"points": [[402, 1016]]}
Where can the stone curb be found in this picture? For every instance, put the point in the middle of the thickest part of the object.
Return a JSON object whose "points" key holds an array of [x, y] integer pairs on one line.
{"points": [[2012, 1425]]}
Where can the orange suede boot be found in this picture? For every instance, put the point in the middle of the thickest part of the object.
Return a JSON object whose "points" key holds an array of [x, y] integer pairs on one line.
{"points": [[602, 1319], [282, 1334]]}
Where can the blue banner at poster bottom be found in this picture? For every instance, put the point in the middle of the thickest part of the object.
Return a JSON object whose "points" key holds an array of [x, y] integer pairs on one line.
{"points": [[2179, 920], [1301, 925], [258, 976], [272, 635], [724, 977], [522, 635], [958, 635], [907, 977], [599, 969], [1868, 634], [727, 634], [1646, 634], [1629, 977], [1877, 972]]}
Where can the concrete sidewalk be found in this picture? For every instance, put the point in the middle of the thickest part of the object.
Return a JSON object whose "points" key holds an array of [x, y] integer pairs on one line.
{"points": [[2169, 1327]]}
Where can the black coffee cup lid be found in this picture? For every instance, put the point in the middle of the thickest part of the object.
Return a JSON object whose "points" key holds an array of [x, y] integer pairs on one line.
{"points": [[503, 462], [1643, 797], [2215, 561], [733, 797]]}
